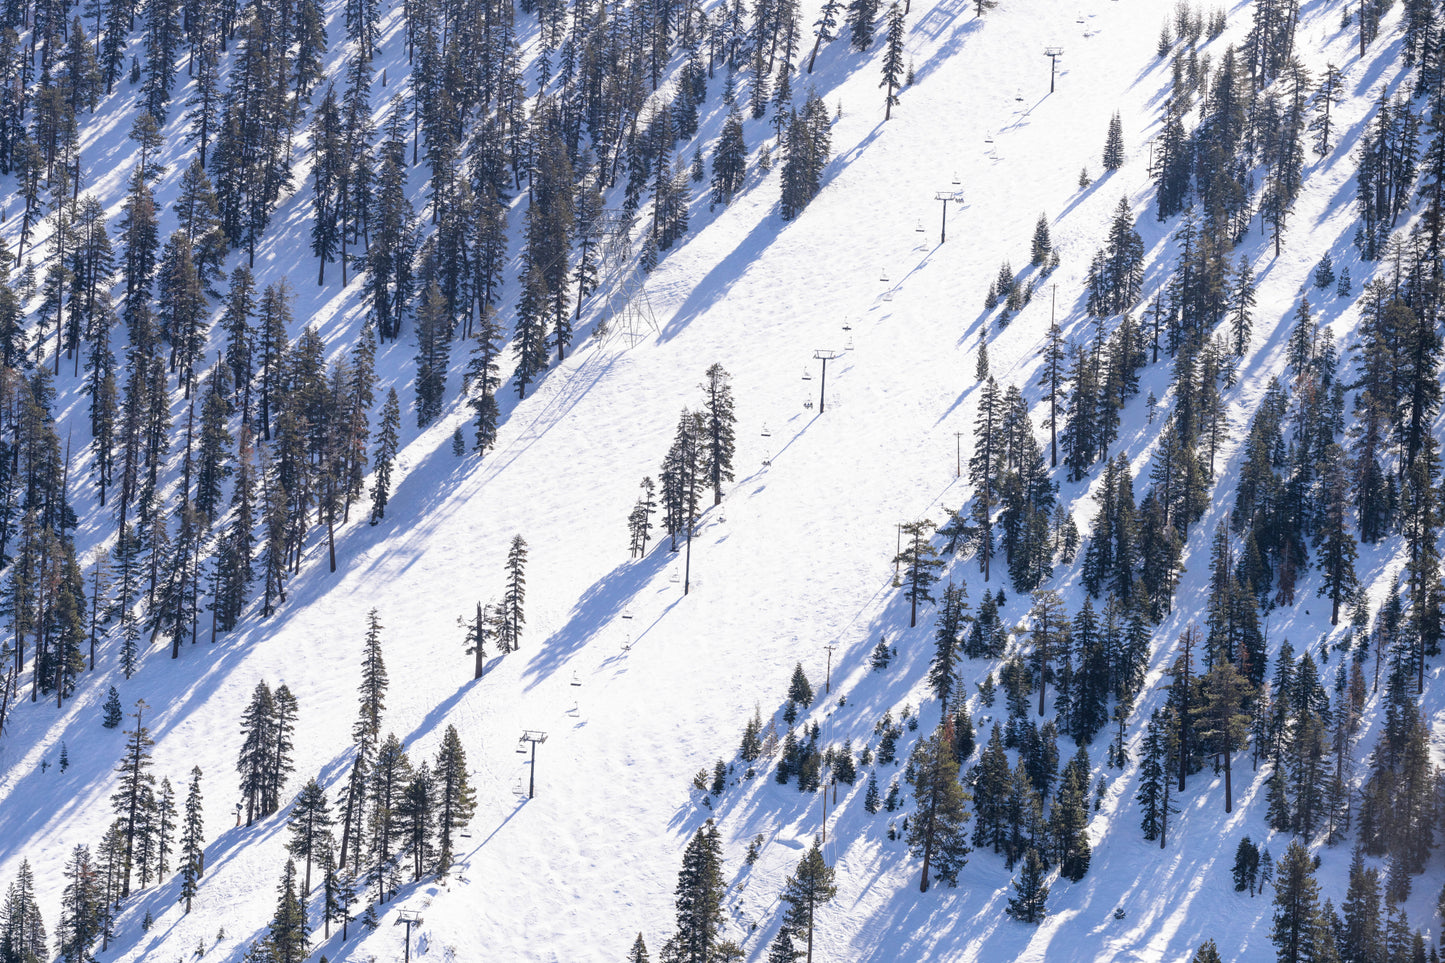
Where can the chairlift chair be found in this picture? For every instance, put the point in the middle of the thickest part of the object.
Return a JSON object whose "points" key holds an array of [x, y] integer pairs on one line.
{"points": [[522, 746], [806, 376], [574, 711], [919, 228], [987, 139], [1019, 96], [766, 433], [808, 403], [849, 346], [576, 681], [883, 276], [846, 325], [956, 181]]}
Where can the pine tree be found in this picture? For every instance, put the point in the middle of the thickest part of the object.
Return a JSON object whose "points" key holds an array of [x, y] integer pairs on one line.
{"points": [[81, 908], [415, 819], [859, 17], [699, 899], [258, 725], [1362, 935], [1114, 144], [1030, 905], [893, 65], [1300, 932], [938, 832], [1153, 795], [1069, 819], [1246, 865], [1327, 95], [374, 682], [639, 522], [806, 144], [433, 354], [1224, 724], [719, 442], [271, 343], [529, 342], [800, 691], [386, 448], [1050, 631], [920, 563], [947, 639], [810, 887], [514, 597], [1042, 244], [310, 827], [22, 929], [287, 936], [638, 953], [781, 949], [1336, 543], [338, 893], [482, 381], [165, 826], [1207, 953], [390, 776], [455, 799], [1241, 304], [112, 709], [127, 802], [392, 251], [729, 160], [193, 841]]}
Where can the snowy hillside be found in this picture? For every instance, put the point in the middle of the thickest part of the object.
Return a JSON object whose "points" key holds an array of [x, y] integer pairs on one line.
{"points": [[637, 684]]}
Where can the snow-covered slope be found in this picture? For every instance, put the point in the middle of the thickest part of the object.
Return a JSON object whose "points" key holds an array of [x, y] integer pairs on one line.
{"points": [[638, 685]]}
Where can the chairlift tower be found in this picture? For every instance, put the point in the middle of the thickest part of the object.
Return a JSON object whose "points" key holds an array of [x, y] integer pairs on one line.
{"points": [[532, 736], [408, 918], [952, 194], [1053, 53], [626, 294], [824, 355]]}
